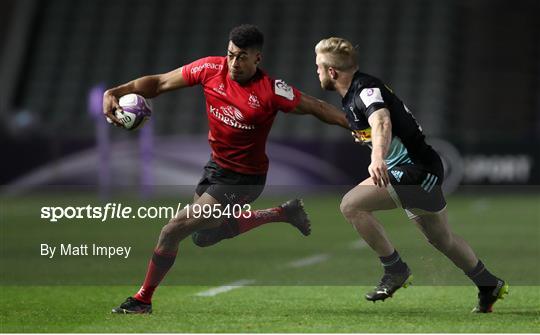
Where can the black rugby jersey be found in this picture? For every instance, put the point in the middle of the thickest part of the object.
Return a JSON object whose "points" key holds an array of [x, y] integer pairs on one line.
{"points": [[368, 94]]}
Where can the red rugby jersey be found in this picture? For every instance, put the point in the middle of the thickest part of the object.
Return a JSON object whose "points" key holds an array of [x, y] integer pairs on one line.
{"points": [[239, 116]]}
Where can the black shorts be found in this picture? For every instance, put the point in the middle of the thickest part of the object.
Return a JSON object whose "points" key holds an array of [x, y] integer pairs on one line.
{"points": [[416, 187], [229, 187]]}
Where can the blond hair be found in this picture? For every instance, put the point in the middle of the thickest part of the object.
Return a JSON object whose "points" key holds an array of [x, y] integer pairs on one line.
{"points": [[340, 53]]}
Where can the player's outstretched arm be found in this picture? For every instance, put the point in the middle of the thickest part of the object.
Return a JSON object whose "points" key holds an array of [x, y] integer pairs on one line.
{"points": [[381, 136], [322, 110], [147, 86]]}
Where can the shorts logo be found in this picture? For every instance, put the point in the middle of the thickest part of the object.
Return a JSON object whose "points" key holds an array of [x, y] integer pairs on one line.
{"points": [[429, 182], [253, 101], [397, 174], [282, 89], [231, 197]]}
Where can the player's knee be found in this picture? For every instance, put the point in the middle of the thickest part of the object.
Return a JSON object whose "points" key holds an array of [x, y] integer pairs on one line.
{"points": [[169, 229], [176, 226], [201, 239], [442, 243], [198, 241], [169, 236], [351, 210], [347, 208]]}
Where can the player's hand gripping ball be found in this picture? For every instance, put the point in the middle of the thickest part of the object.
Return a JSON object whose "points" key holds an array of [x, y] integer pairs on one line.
{"points": [[136, 111]]}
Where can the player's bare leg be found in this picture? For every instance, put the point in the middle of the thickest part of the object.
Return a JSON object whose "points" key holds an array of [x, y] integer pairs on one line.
{"points": [[291, 212], [165, 252], [357, 206], [437, 231], [182, 225]]}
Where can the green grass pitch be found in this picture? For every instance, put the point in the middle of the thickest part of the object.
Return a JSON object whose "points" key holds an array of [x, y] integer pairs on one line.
{"points": [[76, 294]]}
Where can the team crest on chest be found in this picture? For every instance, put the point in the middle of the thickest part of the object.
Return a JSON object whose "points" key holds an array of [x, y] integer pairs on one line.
{"points": [[253, 101]]}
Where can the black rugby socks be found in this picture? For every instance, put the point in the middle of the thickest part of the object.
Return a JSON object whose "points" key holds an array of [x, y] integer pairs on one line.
{"points": [[393, 263]]}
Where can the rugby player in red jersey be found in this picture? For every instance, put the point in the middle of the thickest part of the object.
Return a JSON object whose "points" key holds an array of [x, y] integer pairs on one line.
{"points": [[241, 104]]}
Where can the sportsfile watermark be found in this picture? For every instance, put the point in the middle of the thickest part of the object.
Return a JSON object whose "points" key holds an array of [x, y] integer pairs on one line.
{"points": [[71, 236], [115, 211]]}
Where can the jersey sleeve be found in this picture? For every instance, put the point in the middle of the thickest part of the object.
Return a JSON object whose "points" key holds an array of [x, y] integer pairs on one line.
{"points": [[201, 70], [285, 98], [369, 100]]}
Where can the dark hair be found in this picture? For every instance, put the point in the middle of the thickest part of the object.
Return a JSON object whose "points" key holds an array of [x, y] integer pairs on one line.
{"points": [[247, 36]]}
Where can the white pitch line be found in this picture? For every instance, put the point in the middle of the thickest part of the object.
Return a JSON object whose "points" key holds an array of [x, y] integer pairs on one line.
{"points": [[308, 261], [225, 288], [358, 244]]}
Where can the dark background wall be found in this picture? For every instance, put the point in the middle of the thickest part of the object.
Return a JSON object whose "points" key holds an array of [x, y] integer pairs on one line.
{"points": [[469, 70]]}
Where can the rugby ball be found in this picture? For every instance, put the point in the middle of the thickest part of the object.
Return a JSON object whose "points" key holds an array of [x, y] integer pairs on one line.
{"points": [[136, 111]]}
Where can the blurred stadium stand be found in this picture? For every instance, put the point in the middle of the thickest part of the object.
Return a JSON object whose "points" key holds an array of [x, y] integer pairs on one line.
{"points": [[469, 70], [5, 14]]}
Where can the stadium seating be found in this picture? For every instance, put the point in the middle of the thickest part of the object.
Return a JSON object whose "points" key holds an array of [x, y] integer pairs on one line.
{"points": [[415, 46]]}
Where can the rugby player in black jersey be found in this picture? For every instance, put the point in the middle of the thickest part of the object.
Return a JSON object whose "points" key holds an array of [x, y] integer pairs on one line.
{"points": [[404, 171]]}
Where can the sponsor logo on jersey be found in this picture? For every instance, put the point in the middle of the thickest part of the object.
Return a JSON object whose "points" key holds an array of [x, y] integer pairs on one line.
{"points": [[253, 101], [231, 116], [220, 89], [282, 89], [370, 96], [232, 112], [211, 66], [364, 135]]}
